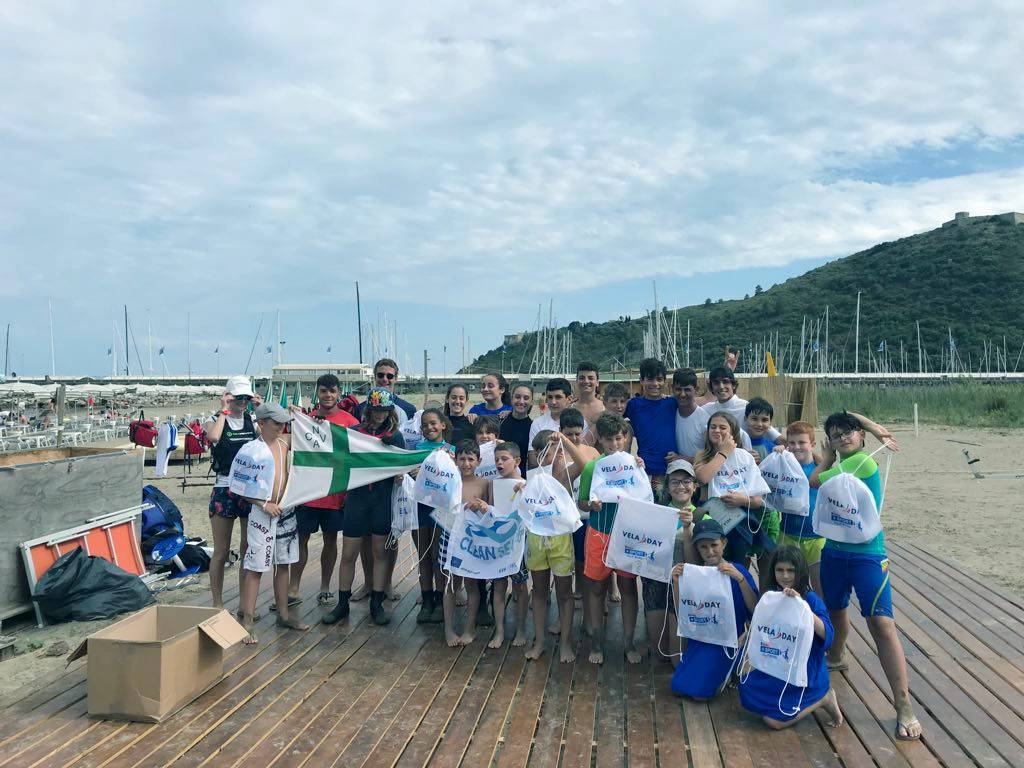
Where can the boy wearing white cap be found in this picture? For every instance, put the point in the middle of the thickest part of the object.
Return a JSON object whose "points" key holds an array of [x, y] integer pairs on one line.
{"points": [[259, 474]]}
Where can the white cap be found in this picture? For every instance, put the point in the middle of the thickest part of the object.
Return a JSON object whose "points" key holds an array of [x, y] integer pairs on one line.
{"points": [[239, 385]]}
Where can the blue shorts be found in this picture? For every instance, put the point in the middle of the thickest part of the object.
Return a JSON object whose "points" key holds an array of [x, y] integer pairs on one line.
{"points": [[579, 536], [313, 519], [844, 572]]}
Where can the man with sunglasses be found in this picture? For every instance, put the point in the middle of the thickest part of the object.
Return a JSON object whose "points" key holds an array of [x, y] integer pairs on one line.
{"points": [[228, 430], [385, 375]]}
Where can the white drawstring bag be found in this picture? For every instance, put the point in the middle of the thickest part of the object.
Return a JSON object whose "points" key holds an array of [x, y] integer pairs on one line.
{"points": [[410, 430], [780, 636], [706, 611], [545, 507], [790, 491], [404, 515], [439, 483], [487, 468], [618, 477], [485, 546], [739, 474], [503, 494], [642, 539], [845, 510]]}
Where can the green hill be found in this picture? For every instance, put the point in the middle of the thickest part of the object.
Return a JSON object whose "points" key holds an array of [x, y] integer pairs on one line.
{"points": [[968, 277]]}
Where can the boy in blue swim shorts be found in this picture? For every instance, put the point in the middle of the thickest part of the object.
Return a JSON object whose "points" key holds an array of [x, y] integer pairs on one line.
{"points": [[862, 568]]}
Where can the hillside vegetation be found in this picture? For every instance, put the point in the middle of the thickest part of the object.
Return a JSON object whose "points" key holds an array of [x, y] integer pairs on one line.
{"points": [[968, 277]]}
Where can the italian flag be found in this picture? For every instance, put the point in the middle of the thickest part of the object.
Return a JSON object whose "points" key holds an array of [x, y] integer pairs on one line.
{"points": [[327, 458]]}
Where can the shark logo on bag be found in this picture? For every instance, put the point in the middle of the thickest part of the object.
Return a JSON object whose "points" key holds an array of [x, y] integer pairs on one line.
{"points": [[499, 531]]}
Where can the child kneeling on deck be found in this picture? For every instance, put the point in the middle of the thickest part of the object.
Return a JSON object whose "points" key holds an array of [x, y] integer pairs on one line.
{"points": [[259, 474], [781, 703], [705, 668]]}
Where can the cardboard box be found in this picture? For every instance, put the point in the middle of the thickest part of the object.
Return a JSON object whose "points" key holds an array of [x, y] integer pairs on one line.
{"points": [[156, 661]]}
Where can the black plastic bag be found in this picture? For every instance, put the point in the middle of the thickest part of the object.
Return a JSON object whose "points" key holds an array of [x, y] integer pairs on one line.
{"points": [[80, 587], [195, 555]]}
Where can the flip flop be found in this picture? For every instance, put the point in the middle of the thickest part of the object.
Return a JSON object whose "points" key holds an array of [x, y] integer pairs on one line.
{"points": [[292, 601], [255, 617], [906, 726]]}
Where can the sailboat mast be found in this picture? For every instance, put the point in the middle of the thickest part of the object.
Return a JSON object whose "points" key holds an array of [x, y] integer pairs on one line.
{"points": [[126, 360], [856, 345], [53, 363]]}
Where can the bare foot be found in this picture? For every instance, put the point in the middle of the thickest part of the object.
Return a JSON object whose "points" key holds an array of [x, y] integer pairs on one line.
{"points": [[519, 640], [596, 656], [908, 727], [250, 639], [452, 639], [467, 638], [831, 706], [633, 656], [614, 595], [536, 651], [360, 594], [497, 641], [461, 598], [291, 623], [567, 654]]}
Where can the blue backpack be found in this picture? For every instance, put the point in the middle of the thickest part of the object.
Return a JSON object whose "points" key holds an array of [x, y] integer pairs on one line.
{"points": [[161, 514]]}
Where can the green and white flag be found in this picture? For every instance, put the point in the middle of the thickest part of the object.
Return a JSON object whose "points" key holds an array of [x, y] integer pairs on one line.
{"points": [[327, 458]]}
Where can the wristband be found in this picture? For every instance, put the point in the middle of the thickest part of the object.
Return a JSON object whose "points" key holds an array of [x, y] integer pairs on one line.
{"points": [[719, 453], [225, 412]]}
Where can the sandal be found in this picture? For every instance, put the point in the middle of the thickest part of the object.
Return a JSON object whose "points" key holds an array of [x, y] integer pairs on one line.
{"points": [[255, 617], [292, 601], [906, 726], [325, 598]]}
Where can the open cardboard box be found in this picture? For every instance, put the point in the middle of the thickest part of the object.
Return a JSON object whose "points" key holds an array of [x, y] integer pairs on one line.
{"points": [[156, 661]]}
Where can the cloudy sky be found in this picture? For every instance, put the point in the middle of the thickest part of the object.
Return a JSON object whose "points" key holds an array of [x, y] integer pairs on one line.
{"points": [[465, 161]]}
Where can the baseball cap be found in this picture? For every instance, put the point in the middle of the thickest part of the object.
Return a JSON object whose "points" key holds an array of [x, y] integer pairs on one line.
{"points": [[380, 399], [273, 411], [708, 528], [239, 385], [680, 465]]}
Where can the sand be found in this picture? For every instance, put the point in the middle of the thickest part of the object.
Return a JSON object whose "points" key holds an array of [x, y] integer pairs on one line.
{"points": [[932, 499]]}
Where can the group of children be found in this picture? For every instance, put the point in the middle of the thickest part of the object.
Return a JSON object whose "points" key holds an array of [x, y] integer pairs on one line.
{"points": [[690, 447]]}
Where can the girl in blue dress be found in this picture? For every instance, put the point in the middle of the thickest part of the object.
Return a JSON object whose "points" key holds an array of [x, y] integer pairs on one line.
{"points": [[770, 697]]}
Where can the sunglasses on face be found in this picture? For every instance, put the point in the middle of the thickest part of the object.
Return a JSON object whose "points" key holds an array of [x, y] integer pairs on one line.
{"points": [[243, 398], [382, 375]]}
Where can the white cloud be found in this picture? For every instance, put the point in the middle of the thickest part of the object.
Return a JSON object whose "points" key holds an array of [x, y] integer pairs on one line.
{"points": [[175, 145]]}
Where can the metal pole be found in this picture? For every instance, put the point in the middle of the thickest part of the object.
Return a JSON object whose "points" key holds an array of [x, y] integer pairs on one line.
{"points": [[426, 381], [53, 364], [188, 342], [126, 367], [920, 367], [825, 367], [687, 343], [856, 346], [359, 322], [7, 350]]}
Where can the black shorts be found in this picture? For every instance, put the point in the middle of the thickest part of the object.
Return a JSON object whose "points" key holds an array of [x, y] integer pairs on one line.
{"points": [[223, 503], [362, 519], [655, 594], [423, 513], [313, 519]]}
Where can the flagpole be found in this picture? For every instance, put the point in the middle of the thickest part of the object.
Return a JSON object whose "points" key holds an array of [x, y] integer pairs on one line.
{"points": [[53, 363], [188, 342], [127, 367], [149, 324]]}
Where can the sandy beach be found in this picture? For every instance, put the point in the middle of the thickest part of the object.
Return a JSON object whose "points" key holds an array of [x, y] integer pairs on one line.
{"points": [[932, 499]]}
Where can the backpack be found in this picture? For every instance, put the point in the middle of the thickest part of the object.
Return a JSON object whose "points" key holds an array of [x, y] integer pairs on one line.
{"points": [[142, 432], [159, 513]]}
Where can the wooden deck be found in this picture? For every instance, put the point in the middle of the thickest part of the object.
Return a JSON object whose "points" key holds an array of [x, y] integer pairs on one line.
{"points": [[397, 696]]}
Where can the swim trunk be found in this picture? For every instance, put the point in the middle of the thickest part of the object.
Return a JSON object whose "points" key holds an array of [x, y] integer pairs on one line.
{"points": [[223, 503], [522, 575], [811, 547], [365, 518], [270, 540], [596, 547], [655, 594], [867, 575], [313, 519], [550, 553], [579, 538]]}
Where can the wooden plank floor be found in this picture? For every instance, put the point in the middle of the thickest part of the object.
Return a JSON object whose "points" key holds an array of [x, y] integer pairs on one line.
{"points": [[356, 694]]}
